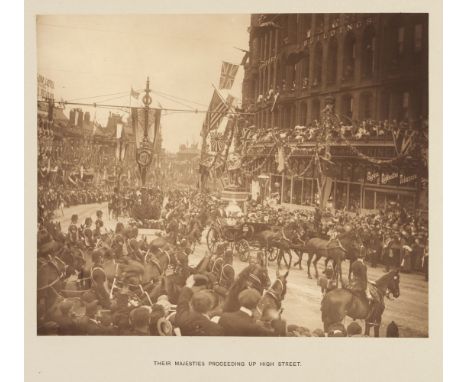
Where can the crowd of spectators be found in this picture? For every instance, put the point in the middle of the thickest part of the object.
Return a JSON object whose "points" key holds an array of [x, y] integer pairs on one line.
{"points": [[52, 200], [394, 237], [365, 130]]}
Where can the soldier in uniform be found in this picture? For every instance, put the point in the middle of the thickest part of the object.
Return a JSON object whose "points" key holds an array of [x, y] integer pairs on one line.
{"points": [[73, 232], [99, 279], [99, 224]]}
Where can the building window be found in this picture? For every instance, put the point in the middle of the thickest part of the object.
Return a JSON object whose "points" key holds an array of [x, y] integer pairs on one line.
{"points": [[418, 37], [319, 23], [286, 117], [349, 56], [292, 85], [366, 106], [368, 53], [305, 27], [316, 110], [305, 72], [292, 121], [347, 107], [292, 28], [303, 116], [283, 76], [405, 105], [401, 40], [335, 21], [318, 57], [332, 61]]}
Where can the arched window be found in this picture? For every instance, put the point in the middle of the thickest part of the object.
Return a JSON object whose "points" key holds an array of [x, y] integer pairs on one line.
{"points": [[332, 61], [368, 52], [318, 58], [349, 56], [365, 106], [347, 107]]}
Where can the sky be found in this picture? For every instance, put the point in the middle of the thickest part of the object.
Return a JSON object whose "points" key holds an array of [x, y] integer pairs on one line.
{"points": [[100, 58]]}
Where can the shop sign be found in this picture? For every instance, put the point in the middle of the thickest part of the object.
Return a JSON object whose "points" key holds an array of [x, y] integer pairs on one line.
{"points": [[408, 180], [390, 178], [372, 177]]}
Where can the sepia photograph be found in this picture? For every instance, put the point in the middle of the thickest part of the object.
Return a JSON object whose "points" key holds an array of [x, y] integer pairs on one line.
{"points": [[234, 174]]}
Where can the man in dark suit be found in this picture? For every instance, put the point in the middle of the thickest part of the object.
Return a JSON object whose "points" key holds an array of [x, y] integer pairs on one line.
{"points": [[191, 314], [242, 322], [358, 282]]}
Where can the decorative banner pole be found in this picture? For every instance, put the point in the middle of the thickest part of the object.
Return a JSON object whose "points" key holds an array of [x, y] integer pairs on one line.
{"points": [[145, 152], [147, 102]]}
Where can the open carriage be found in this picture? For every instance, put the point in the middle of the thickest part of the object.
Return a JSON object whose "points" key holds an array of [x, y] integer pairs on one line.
{"points": [[240, 237]]}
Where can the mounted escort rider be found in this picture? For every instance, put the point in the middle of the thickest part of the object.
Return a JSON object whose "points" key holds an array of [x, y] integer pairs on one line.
{"points": [[359, 284]]}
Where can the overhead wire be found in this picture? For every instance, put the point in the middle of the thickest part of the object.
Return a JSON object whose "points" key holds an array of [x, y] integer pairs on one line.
{"points": [[97, 96]]}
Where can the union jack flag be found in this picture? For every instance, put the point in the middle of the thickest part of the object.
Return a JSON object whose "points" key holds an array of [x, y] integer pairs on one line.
{"points": [[228, 74], [217, 142]]}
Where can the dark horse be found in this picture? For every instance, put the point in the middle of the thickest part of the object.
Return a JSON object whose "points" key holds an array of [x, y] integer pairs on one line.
{"points": [[343, 247], [50, 277], [339, 303], [253, 276], [270, 303]]}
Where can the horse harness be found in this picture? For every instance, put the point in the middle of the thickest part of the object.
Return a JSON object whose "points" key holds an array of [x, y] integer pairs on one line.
{"points": [[222, 276], [157, 263], [276, 295], [289, 240], [339, 246], [52, 260]]}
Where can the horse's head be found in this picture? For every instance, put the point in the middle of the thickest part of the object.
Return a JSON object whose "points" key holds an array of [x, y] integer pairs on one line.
{"points": [[393, 285], [73, 258], [279, 286]]}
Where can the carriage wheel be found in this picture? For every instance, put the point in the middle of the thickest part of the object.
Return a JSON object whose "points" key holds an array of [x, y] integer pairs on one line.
{"points": [[212, 238], [243, 248], [272, 253]]}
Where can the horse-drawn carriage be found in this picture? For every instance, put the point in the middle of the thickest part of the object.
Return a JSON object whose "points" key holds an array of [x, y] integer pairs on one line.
{"points": [[239, 236]]}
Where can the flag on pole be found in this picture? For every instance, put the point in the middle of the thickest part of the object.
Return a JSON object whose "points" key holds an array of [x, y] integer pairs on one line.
{"points": [[120, 146], [217, 141], [216, 111], [228, 74]]}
